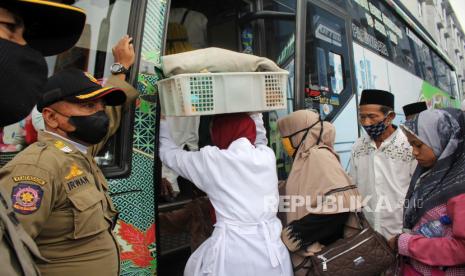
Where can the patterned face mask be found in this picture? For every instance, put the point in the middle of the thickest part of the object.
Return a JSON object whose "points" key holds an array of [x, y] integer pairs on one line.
{"points": [[375, 130]]}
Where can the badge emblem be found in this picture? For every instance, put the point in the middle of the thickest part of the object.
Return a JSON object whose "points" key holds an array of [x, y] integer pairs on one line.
{"points": [[73, 172], [26, 198], [62, 146]]}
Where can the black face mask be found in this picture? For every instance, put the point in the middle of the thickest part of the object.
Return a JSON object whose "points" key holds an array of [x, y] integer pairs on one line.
{"points": [[23, 73], [90, 129], [305, 135]]}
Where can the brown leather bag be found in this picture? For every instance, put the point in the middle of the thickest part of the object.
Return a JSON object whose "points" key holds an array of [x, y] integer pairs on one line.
{"points": [[365, 253]]}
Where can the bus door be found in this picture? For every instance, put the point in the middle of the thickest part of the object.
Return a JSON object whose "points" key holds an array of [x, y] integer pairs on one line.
{"points": [[184, 220], [259, 27], [325, 74], [269, 30]]}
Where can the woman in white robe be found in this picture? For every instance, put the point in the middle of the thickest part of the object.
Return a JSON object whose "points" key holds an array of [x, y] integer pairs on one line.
{"points": [[241, 182]]}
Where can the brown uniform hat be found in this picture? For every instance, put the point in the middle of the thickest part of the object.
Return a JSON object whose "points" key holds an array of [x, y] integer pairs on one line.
{"points": [[50, 27], [73, 85]]}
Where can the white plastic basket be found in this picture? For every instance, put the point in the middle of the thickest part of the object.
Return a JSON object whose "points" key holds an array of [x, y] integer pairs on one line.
{"points": [[216, 93]]}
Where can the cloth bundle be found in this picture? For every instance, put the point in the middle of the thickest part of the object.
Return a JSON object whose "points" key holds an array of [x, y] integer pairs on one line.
{"points": [[215, 60]]}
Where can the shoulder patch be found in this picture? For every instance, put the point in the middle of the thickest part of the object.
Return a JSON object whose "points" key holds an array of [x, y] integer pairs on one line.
{"points": [[26, 198], [74, 172], [29, 178], [62, 146]]}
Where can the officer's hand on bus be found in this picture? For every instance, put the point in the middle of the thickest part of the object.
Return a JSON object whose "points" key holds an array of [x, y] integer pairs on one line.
{"points": [[123, 52]]}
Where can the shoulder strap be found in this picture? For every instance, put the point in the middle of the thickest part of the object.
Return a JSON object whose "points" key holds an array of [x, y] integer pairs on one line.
{"points": [[363, 222], [184, 16]]}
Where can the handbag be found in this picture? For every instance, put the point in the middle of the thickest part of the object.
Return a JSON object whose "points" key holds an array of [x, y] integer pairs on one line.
{"points": [[365, 253]]}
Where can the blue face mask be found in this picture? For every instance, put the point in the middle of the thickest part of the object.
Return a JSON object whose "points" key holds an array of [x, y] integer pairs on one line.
{"points": [[375, 130]]}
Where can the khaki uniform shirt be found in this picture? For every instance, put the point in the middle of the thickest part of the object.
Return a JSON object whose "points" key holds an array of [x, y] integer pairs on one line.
{"points": [[61, 198]]}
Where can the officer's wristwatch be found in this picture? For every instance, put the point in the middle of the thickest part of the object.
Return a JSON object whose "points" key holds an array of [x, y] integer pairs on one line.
{"points": [[118, 68]]}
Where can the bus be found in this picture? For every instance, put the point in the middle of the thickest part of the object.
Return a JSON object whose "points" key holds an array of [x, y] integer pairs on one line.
{"points": [[332, 49]]}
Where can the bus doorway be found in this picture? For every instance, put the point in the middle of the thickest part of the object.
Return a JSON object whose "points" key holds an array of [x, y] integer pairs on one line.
{"points": [[185, 217], [184, 212]]}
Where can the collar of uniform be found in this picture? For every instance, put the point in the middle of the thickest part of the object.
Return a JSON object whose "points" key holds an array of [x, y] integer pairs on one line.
{"points": [[62, 143], [391, 139]]}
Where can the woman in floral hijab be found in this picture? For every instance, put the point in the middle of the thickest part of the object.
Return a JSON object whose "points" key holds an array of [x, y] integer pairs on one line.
{"points": [[434, 217]]}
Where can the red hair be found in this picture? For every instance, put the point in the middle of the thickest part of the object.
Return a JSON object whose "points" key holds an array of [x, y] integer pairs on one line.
{"points": [[227, 128]]}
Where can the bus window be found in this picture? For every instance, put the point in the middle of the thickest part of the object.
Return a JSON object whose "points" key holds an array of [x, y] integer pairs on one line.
{"points": [[422, 57], [322, 71], [330, 74], [107, 22], [454, 86], [363, 26], [447, 80], [428, 63], [327, 72], [278, 33], [336, 73], [401, 50], [442, 72], [279, 5]]}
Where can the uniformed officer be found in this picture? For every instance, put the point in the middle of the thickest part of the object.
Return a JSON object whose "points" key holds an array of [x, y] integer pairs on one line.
{"points": [[58, 192], [23, 26]]}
